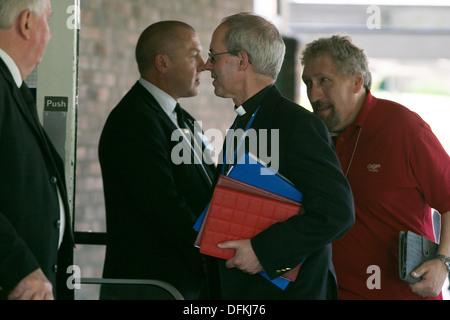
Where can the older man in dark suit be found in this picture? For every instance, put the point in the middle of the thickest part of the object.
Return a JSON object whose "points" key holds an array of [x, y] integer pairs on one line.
{"points": [[153, 193], [246, 54], [34, 212]]}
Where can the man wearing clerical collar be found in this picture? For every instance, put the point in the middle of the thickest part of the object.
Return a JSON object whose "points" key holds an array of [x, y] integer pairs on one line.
{"points": [[246, 54]]}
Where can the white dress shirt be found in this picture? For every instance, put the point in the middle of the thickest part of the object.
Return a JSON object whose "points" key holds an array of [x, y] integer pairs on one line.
{"points": [[168, 104]]}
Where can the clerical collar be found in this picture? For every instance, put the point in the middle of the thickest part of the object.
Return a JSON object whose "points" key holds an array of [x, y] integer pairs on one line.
{"points": [[240, 110], [250, 106]]}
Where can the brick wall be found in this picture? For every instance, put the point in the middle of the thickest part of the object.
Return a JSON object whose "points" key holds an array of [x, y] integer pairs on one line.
{"points": [[107, 69]]}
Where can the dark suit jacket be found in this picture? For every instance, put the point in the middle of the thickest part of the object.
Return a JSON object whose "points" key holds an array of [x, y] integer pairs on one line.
{"points": [[307, 158], [151, 203], [30, 173]]}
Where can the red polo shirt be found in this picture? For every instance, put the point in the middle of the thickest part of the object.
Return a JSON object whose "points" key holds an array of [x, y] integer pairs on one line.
{"points": [[398, 171]]}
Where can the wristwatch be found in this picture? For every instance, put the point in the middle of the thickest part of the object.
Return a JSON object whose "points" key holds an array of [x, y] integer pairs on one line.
{"points": [[445, 260]]}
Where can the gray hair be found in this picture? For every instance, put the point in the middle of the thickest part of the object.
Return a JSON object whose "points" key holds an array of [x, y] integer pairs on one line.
{"points": [[259, 38], [349, 58], [11, 9]]}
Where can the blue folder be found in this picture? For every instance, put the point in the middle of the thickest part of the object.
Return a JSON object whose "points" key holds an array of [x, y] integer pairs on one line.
{"points": [[251, 171]]}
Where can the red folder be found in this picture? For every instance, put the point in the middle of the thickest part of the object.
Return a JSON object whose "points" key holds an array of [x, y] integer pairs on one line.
{"points": [[241, 211]]}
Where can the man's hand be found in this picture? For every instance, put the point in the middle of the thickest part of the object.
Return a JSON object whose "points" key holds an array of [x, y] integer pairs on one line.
{"points": [[35, 286], [245, 258], [434, 274]]}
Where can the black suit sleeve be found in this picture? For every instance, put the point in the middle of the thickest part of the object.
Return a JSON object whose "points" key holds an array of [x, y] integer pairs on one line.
{"points": [[136, 157], [311, 164]]}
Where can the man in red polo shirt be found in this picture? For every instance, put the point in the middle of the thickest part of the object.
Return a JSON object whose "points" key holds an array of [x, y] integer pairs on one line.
{"points": [[396, 167]]}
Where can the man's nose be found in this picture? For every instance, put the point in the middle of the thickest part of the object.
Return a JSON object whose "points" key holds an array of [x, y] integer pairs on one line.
{"points": [[315, 93], [201, 65], [208, 65]]}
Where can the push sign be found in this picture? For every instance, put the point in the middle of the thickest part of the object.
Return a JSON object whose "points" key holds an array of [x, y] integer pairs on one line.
{"points": [[56, 104], [55, 121]]}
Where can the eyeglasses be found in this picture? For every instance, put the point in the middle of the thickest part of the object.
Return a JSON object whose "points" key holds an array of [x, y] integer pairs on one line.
{"points": [[212, 56]]}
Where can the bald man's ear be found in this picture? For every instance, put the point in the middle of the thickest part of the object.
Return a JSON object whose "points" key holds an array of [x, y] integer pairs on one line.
{"points": [[162, 63], [25, 22]]}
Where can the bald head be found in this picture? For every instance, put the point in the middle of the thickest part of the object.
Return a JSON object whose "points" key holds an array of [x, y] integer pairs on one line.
{"points": [[159, 38]]}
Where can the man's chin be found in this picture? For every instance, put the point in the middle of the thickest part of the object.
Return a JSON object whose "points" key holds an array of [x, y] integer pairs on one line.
{"points": [[220, 93]]}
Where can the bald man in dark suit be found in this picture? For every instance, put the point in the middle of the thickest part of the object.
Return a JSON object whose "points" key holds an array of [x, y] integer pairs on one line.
{"points": [[153, 200]]}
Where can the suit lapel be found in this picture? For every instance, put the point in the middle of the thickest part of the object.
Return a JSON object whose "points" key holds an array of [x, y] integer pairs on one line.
{"points": [[29, 112], [20, 101], [264, 120], [154, 105], [210, 168], [32, 118], [267, 111], [28, 108]]}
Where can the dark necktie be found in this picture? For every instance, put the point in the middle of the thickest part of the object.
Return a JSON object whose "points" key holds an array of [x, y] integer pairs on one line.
{"points": [[180, 117], [183, 124], [28, 97]]}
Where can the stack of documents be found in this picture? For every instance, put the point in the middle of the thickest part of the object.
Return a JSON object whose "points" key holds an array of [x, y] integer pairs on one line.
{"points": [[245, 203]]}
